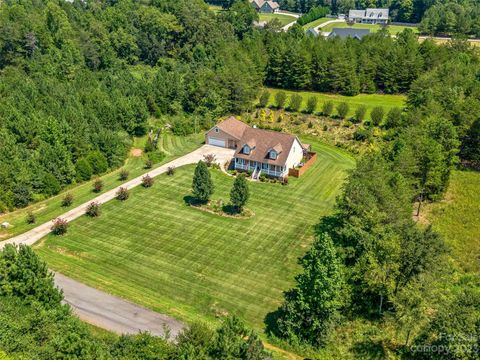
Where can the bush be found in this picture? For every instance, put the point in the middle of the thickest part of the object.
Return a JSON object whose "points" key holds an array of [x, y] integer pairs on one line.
{"points": [[67, 200], [171, 170], [150, 145], [394, 118], [122, 194], [209, 159], [327, 108], [148, 164], [93, 209], [377, 115], [83, 170], [123, 175], [51, 186], [97, 185], [280, 99], [311, 104], [360, 113], [295, 102], [156, 157], [22, 195], [98, 162], [264, 98], [59, 226], [342, 110], [31, 219], [362, 134], [147, 181]]}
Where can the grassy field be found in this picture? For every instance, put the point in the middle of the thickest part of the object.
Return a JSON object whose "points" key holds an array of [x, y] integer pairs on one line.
{"points": [[215, 8], [47, 210], [369, 100], [315, 23], [393, 29], [284, 19], [457, 218], [158, 252]]}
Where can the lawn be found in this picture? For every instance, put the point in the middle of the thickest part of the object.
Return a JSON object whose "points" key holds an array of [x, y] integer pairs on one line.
{"points": [[457, 219], [393, 29], [315, 23], [215, 8], [369, 100], [173, 146], [284, 19], [156, 251]]}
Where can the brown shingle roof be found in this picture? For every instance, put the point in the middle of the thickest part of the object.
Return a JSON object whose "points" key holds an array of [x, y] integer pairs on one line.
{"points": [[233, 127], [266, 140]]}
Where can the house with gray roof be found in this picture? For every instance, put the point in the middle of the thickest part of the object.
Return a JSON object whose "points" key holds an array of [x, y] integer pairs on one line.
{"points": [[312, 31], [369, 16], [265, 6], [349, 32]]}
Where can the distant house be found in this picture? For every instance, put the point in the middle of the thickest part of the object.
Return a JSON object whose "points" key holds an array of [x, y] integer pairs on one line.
{"points": [[265, 6], [349, 32], [369, 16], [312, 31], [260, 151]]}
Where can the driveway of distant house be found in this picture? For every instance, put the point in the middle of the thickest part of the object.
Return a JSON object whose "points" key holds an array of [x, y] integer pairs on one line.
{"points": [[112, 313], [30, 237]]}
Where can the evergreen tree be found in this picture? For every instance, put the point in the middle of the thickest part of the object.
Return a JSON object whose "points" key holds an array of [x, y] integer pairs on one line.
{"points": [[239, 194], [202, 185]]}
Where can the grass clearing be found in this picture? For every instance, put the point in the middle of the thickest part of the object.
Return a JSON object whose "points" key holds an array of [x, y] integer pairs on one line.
{"points": [[457, 219], [173, 146], [369, 100], [316, 23], [215, 8], [284, 19], [158, 252], [393, 29]]}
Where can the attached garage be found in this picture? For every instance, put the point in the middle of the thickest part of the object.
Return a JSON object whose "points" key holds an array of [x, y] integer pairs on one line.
{"points": [[216, 142]]}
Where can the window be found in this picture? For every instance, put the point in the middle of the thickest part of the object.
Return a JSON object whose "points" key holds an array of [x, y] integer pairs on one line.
{"points": [[264, 166], [216, 130], [273, 155], [246, 149]]}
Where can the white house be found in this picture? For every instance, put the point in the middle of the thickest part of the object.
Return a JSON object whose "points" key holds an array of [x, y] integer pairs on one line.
{"points": [[369, 16]]}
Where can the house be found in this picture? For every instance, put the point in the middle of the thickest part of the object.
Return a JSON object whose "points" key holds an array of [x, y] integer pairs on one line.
{"points": [[260, 151], [369, 16], [348, 32], [265, 6], [313, 32]]}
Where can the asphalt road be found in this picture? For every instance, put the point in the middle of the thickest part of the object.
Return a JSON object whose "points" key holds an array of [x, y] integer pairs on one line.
{"points": [[113, 313]]}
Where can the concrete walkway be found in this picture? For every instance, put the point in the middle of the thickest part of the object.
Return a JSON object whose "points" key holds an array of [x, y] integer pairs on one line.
{"points": [[113, 313], [32, 236]]}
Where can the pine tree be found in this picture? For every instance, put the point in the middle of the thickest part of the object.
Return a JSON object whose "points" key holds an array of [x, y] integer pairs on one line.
{"points": [[239, 194], [202, 185]]}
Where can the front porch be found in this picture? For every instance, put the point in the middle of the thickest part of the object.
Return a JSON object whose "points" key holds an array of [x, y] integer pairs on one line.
{"points": [[267, 169]]}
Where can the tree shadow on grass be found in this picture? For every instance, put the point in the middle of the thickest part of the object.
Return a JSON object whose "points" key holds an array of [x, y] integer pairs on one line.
{"points": [[270, 321], [193, 201], [369, 349], [230, 209]]}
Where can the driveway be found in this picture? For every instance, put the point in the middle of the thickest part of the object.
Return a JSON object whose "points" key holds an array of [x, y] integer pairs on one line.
{"points": [[112, 313], [334, 21], [32, 236]]}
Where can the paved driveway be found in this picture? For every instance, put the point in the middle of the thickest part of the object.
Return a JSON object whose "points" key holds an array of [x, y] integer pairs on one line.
{"points": [[112, 313], [32, 236]]}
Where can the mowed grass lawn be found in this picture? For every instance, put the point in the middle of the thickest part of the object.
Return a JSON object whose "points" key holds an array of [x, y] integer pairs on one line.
{"points": [[457, 219], [172, 146], [315, 23], [156, 251], [284, 19], [392, 29], [369, 100]]}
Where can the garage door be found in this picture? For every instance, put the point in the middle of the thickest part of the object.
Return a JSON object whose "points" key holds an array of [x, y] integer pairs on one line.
{"points": [[216, 142]]}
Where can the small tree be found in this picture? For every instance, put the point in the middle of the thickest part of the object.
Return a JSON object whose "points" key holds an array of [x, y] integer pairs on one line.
{"points": [[148, 164], [122, 194], [147, 181], [342, 110], [97, 185], [280, 99], [264, 99], [123, 175], [360, 113], [171, 170], [31, 219], [93, 209], [377, 115], [327, 108], [239, 194], [202, 185], [394, 118], [295, 102], [59, 226], [209, 159], [98, 162], [312, 104], [83, 170], [150, 145], [67, 200]]}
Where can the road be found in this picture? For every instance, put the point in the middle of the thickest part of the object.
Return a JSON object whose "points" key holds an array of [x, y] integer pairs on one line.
{"points": [[113, 313], [32, 236]]}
